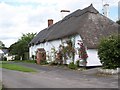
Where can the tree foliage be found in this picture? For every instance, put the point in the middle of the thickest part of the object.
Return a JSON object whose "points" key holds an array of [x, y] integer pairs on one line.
{"points": [[118, 21], [21, 46], [109, 52], [2, 45]]}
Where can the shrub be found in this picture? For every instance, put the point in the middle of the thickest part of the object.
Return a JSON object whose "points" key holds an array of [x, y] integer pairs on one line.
{"points": [[17, 57], [33, 57], [72, 65], [77, 63], [109, 52], [53, 63], [43, 62]]}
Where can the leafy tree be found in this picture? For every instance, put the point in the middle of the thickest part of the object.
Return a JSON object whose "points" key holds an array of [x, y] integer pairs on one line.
{"points": [[21, 47], [13, 48], [118, 21], [2, 45]]}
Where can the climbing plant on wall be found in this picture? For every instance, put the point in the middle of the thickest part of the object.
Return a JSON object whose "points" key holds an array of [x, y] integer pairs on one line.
{"points": [[82, 52], [68, 51], [53, 51]]}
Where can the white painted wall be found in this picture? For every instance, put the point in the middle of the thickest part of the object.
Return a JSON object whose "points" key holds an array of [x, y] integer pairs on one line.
{"points": [[77, 37], [32, 50], [52, 44], [92, 59], [9, 58], [47, 46]]}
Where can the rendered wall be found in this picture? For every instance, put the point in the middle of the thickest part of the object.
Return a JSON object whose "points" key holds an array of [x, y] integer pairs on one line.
{"points": [[92, 59]]}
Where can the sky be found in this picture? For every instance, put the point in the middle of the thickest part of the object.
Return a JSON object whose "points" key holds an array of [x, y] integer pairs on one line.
{"points": [[19, 17]]}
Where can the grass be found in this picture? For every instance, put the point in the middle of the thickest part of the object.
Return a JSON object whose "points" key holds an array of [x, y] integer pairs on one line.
{"points": [[0, 85], [16, 67]]}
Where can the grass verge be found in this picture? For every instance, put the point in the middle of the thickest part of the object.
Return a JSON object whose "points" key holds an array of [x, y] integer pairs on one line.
{"points": [[0, 85], [16, 67]]}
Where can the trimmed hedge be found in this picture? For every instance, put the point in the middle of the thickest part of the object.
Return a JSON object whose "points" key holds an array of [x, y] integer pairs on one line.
{"points": [[109, 52]]}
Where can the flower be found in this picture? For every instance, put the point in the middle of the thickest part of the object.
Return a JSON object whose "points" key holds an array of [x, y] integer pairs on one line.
{"points": [[82, 51]]}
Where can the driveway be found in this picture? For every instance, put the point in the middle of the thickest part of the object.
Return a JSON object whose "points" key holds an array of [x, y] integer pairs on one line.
{"points": [[55, 77]]}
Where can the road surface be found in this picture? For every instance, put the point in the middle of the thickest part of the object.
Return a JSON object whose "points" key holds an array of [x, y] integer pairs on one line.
{"points": [[53, 77]]}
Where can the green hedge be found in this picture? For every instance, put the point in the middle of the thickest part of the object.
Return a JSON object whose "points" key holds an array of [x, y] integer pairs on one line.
{"points": [[109, 52]]}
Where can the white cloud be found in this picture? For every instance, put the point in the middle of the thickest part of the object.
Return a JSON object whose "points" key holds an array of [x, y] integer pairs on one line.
{"points": [[23, 16]]}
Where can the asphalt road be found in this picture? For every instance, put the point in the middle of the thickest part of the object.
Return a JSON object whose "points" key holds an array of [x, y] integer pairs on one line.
{"points": [[54, 77]]}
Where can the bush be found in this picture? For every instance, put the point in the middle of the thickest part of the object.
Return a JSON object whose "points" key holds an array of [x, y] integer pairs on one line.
{"points": [[109, 52], [53, 63], [43, 62], [77, 63], [33, 57], [72, 65], [17, 57]]}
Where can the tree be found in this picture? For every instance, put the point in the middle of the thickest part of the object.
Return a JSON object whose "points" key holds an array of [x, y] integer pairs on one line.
{"points": [[21, 48], [2, 45], [13, 48], [118, 21]]}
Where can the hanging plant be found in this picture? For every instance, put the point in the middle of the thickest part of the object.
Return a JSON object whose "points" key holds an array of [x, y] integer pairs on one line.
{"points": [[82, 52]]}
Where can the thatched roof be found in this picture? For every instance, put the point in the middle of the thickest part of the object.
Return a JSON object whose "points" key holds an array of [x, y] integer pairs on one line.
{"points": [[88, 23]]}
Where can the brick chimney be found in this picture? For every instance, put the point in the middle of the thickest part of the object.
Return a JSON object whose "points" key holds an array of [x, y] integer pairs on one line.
{"points": [[50, 22]]}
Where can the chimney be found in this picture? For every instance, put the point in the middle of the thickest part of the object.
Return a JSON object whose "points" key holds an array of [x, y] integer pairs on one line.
{"points": [[64, 13], [105, 10], [50, 22]]}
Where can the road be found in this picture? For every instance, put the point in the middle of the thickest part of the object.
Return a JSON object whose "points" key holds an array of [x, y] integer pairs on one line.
{"points": [[54, 77]]}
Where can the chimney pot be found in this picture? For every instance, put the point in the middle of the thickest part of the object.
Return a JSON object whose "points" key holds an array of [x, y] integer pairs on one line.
{"points": [[64, 13], [50, 22]]}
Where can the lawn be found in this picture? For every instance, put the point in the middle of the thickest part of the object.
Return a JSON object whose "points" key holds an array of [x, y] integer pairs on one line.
{"points": [[0, 85], [16, 67]]}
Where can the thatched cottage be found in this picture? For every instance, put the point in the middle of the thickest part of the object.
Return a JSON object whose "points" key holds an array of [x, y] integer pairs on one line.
{"points": [[86, 25]]}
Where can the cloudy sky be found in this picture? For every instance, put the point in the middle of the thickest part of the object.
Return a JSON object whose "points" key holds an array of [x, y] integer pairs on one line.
{"points": [[23, 16]]}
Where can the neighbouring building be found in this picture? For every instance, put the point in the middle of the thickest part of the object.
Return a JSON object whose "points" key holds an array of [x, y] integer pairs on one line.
{"points": [[86, 25], [3, 53]]}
